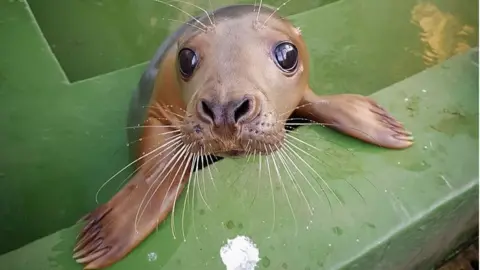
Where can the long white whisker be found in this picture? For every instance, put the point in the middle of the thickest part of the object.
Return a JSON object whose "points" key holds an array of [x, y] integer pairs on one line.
{"points": [[259, 8], [277, 9], [209, 171], [172, 223], [174, 138], [306, 179], [282, 155], [202, 9], [310, 167], [259, 177], [194, 160], [148, 160], [153, 135], [273, 195], [284, 190], [316, 159], [179, 9], [192, 25], [175, 158]]}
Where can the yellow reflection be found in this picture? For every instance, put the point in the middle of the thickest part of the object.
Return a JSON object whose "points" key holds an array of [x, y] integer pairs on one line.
{"points": [[442, 33]]}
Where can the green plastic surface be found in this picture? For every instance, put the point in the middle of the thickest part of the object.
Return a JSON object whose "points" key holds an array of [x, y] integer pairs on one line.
{"points": [[420, 202], [60, 141]]}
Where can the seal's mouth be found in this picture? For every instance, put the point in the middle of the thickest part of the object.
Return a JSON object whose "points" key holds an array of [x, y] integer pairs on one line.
{"points": [[235, 153]]}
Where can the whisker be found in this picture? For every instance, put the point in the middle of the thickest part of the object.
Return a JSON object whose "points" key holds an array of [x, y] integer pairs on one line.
{"points": [[349, 150], [248, 150], [273, 194], [204, 190], [202, 9], [181, 146], [213, 14], [316, 159], [310, 167], [277, 9], [329, 124], [179, 9], [172, 220], [299, 190], [174, 138], [259, 8], [165, 108], [284, 190], [183, 150], [306, 178], [154, 126], [184, 22], [150, 136], [150, 159], [195, 158], [259, 178]]}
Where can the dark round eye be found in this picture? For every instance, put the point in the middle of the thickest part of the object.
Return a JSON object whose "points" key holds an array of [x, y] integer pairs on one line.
{"points": [[286, 56], [187, 60]]}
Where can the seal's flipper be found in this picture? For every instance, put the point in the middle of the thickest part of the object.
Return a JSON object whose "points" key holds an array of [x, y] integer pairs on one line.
{"points": [[117, 227], [358, 116]]}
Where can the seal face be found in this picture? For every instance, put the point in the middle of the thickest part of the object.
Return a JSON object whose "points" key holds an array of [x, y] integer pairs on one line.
{"points": [[221, 85], [240, 82]]}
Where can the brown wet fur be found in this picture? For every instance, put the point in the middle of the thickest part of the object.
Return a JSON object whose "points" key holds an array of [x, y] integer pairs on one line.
{"points": [[235, 65]]}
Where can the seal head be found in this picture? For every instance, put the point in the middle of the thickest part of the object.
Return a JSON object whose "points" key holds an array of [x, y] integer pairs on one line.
{"points": [[240, 81]]}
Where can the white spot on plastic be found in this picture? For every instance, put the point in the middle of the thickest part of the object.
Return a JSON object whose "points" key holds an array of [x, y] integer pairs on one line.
{"points": [[240, 253], [424, 90], [152, 256], [406, 99]]}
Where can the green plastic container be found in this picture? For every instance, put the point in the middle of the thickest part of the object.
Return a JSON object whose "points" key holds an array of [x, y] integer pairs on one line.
{"points": [[63, 135]]}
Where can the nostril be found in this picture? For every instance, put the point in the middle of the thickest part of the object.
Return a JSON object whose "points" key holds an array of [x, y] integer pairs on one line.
{"points": [[207, 111], [242, 110]]}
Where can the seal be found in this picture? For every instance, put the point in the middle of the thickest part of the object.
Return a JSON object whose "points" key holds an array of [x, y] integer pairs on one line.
{"points": [[224, 84]]}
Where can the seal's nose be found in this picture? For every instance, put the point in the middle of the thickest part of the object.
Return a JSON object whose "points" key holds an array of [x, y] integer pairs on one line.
{"points": [[230, 113]]}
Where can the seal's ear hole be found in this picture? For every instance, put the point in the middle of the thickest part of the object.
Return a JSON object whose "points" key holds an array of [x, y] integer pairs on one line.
{"points": [[187, 60], [286, 56]]}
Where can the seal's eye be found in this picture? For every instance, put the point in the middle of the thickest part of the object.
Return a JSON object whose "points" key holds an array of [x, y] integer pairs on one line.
{"points": [[187, 60], [286, 56]]}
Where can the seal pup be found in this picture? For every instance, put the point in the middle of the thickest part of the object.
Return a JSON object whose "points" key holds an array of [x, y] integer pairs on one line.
{"points": [[223, 84]]}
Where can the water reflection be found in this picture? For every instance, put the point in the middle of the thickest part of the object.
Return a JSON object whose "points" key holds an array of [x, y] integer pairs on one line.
{"points": [[443, 34]]}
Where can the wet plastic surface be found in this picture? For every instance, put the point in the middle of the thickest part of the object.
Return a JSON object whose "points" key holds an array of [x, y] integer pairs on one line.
{"points": [[61, 141]]}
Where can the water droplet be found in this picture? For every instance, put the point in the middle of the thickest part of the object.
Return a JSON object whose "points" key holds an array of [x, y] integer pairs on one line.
{"points": [[152, 256], [265, 262], [425, 147], [424, 90]]}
